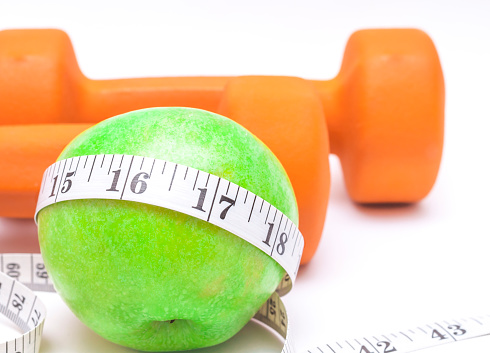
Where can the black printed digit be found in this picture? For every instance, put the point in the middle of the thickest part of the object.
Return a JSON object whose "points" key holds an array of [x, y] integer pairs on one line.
{"points": [[225, 211], [36, 316], [113, 187], [41, 271], [387, 348], [458, 331], [13, 270], [200, 202], [18, 302], [136, 181], [437, 334], [269, 234], [281, 247], [68, 183], [54, 186]]}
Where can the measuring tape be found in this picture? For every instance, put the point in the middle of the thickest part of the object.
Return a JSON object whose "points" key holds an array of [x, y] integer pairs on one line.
{"points": [[30, 270], [19, 304], [201, 195], [179, 188]]}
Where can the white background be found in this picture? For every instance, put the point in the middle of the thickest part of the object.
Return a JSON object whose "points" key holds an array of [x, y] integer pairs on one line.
{"points": [[377, 269]]}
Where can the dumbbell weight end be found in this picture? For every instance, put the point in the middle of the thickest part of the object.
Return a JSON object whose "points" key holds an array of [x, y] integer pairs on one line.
{"points": [[385, 115]]}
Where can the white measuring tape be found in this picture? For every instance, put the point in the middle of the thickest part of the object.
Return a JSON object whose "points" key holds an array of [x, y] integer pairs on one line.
{"points": [[30, 270], [204, 196], [19, 304], [179, 188]]}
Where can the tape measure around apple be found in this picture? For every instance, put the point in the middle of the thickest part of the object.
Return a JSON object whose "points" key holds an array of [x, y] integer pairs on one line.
{"points": [[218, 201]]}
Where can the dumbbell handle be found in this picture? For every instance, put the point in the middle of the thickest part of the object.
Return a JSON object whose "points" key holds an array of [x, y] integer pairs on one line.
{"points": [[99, 99], [104, 98]]}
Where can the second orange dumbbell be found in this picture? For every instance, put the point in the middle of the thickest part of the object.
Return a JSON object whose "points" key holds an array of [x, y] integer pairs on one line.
{"points": [[384, 112]]}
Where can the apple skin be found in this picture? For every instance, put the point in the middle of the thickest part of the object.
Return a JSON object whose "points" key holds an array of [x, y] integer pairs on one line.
{"points": [[128, 270]]}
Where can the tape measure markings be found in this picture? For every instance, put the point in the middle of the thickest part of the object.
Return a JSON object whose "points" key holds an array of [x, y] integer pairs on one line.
{"points": [[414, 339], [180, 188], [25, 267], [19, 304], [28, 269]]}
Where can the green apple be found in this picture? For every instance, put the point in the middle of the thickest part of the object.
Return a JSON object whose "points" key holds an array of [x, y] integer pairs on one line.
{"points": [[154, 279]]}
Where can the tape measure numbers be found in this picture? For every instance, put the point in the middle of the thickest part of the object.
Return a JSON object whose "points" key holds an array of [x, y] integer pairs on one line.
{"points": [[272, 313], [179, 188], [19, 304], [204, 196], [413, 339]]}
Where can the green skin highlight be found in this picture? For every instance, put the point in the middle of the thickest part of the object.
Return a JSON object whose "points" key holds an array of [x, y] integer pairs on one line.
{"points": [[154, 279]]}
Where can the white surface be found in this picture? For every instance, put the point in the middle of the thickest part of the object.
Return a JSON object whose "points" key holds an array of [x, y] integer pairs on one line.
{"points": [[376, 269]]}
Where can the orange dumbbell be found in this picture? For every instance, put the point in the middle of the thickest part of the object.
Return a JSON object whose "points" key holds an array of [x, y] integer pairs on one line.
{"points": [[384, 112]]}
